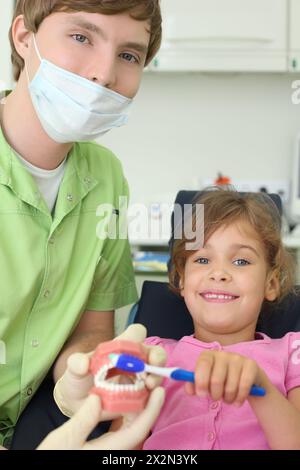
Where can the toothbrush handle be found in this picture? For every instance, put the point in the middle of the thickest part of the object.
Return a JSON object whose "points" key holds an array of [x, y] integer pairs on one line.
{"points": [[257, 391], [187, 376]]}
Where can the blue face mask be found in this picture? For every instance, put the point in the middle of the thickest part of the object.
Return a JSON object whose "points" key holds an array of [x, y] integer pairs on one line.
{"points": [[72, 108]]}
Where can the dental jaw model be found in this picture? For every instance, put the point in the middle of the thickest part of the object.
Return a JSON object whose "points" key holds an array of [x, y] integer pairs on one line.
{"points": [[120, 392]]}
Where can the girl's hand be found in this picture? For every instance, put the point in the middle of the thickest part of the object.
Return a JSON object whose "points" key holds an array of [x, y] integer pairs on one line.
{"points": [[225, 375]]}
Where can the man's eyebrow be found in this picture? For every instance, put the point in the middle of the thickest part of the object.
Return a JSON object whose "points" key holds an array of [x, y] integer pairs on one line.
{"points": [[87, 25], [138, 46]]}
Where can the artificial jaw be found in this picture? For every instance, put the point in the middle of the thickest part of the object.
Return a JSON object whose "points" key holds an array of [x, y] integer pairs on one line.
{"points": [[120, 392]]}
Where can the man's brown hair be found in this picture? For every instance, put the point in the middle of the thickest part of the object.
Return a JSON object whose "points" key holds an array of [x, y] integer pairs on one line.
{"points": [[35, 11]]}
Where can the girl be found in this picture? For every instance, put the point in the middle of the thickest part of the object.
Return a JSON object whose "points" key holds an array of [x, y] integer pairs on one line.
{"points": [[224, 283]]}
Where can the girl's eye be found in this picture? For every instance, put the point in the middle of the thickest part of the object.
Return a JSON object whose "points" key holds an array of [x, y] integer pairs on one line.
{"points": [[241, 262], [201, 260], [129, 57], [80, 38]]}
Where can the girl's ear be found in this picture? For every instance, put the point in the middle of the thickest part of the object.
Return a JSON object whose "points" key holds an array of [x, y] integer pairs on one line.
{"points": [[272, 288]]}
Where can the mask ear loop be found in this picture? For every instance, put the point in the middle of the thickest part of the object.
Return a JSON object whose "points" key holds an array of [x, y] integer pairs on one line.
{"points": [[27, 74], [39, 56], [36, 49]]}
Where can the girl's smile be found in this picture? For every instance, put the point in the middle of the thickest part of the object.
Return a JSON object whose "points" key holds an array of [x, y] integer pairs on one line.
{"points": [[217, 297]]}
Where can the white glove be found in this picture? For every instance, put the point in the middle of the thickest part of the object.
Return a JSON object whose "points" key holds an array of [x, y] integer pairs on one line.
{"points": [[73, 434], [73, 387]]}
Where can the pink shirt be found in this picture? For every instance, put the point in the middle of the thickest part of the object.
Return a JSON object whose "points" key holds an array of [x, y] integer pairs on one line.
{"points": [[190, 422]]}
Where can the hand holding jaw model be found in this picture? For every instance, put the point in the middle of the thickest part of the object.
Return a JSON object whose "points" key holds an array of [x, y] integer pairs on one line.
{"points": [[116, 398]]}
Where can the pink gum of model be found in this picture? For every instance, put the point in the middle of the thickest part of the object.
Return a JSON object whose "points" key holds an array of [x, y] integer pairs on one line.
{"points": [[116, 398]]}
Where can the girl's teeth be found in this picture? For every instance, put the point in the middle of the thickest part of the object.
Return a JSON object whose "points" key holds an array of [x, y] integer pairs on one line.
{"points": [[219, 296]]}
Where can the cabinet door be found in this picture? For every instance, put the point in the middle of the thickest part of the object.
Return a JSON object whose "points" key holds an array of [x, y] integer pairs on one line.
{"points": [[6, 13], [224, 35], [294, 53]]}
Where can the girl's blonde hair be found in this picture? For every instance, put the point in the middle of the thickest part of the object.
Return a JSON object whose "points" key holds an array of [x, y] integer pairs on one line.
{"points": [[223, 207], [35, 11]]}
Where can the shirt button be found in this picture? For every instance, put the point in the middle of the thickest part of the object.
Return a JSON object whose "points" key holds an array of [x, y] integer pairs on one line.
{"points": [[46, 293], [51, 241], [29, 391], [211, 436], [214, 405], [35, 343], [87, 180], [70, 197]]}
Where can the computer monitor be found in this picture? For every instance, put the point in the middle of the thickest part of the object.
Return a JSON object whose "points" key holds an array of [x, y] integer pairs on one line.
{"points": [[295, 188]]}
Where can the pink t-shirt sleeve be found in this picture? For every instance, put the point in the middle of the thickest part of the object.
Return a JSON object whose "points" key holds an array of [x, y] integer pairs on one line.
{"points": [[153, 341], [292, 378], [167, 344]]}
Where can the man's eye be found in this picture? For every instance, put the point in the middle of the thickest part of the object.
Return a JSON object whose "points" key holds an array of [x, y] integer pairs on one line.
{"points": [[80, 38], [201, 260], [241, 262], [129, 57]]}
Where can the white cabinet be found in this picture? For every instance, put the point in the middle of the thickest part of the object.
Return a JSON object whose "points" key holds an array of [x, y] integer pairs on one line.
{"points": [[224, 35], [6, 13], [294, 34]]}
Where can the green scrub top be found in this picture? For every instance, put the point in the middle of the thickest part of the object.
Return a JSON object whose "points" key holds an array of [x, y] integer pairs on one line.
{"points": [[55, 266]]}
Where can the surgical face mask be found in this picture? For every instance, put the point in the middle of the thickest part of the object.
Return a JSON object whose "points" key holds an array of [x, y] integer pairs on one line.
{"points": [[72, 108]]}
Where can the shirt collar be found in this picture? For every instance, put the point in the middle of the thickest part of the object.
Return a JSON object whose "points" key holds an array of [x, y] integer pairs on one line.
{"points": [[77, 182], [259, 339]]}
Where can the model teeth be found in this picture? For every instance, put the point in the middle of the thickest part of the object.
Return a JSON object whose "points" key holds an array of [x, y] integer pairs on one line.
{"points": [[102, 372], [101, 382], [120, 388]]}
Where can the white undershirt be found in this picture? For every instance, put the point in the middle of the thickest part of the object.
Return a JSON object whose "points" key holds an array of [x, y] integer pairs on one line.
{"points": [[48, 181]]}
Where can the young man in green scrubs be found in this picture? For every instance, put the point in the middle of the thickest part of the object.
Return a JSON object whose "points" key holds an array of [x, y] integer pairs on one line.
{"points": [[78, 64]]}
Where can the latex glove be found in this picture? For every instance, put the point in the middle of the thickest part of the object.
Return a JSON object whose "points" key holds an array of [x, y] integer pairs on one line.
{"points": [[74, 386], [73, 434]]}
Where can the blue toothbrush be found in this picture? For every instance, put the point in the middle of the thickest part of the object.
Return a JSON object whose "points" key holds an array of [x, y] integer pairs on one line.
{"points": [[129, 363]]}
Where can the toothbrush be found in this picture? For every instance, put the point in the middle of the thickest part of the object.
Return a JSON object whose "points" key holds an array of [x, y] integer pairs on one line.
{"points": [[129, 363]]}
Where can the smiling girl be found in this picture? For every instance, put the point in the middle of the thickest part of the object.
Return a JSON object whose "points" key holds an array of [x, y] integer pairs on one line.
{"points": [[224, 283]]}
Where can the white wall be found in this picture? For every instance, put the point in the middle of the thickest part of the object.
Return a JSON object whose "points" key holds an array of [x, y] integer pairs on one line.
{"points": [[185, 128], [6, 12]]}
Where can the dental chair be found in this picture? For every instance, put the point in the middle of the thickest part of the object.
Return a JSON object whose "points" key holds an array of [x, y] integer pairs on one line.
{"points": [[164, 313]]}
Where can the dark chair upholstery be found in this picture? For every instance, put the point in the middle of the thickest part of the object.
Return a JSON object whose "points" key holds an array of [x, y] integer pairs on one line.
{"points": [[164, 314]]}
